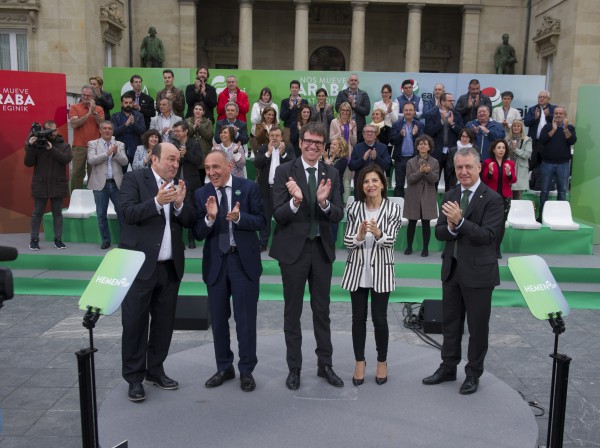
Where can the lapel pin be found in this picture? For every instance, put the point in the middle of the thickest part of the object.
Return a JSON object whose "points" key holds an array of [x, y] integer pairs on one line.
{"points": [[238, 192]]}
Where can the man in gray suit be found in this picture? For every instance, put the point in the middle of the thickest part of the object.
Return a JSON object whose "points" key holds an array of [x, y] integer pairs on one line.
{"points": [[165, 120], [106, 157], [306, 201], [470, 220]]}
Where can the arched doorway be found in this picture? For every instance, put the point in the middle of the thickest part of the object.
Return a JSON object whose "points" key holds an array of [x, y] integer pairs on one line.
{"points": [[327, 59]]}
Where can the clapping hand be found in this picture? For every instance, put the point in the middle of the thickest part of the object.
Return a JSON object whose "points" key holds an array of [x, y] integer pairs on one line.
{"points": [[372, 227], [491, 168], [165, 194], [323, 191], [212, 210], [362, 231], [234, 214], [507, 169], [181, 191], [294, 190]]}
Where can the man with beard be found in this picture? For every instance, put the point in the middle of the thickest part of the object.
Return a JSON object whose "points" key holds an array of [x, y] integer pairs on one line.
{"points": [[128, 126], [201, 92], [49, 181]]}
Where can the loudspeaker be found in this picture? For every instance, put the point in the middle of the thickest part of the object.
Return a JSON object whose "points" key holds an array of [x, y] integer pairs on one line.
{"points": [[192, 313], [430, 316]]}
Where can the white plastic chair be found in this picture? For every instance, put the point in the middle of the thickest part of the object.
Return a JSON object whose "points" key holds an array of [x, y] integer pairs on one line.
{"points": [[111, 212], [557, 215], [400, 201], [522, 215], [81, 204]]}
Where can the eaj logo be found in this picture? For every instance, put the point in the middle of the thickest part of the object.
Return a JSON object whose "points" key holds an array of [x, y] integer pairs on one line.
{"points": [[494, 95], [219, 83]]}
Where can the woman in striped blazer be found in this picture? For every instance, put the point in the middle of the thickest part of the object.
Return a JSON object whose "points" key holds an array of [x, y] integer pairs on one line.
{"points": [[371, 229]]}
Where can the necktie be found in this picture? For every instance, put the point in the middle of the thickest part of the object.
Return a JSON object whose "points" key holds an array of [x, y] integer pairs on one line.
{"points": [[224, 242], [464, 203], [312, 201]]}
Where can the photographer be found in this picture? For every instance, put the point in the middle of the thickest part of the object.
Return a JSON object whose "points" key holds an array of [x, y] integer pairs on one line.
{"points": [[49, 156]]}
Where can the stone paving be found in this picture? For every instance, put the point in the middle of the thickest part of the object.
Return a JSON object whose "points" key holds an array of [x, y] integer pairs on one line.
{"points": [[39, 395]]}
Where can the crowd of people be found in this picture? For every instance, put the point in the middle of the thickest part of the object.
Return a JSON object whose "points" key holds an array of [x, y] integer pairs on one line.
{"points": [[188, 168]]}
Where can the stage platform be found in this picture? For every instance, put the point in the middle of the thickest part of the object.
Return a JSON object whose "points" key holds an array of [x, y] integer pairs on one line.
{"points": [[542, 241], [401, 413]]}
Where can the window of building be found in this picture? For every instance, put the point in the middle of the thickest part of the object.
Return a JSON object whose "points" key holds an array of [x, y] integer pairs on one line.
{"points": [[13, 50]]}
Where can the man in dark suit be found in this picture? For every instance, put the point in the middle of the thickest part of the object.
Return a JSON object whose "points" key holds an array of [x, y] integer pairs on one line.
{"points": [[154, 209], [143, 102], [470, 221], [306, 201], [240, 128], [443, 124], [368, 152], [404, 133], [268, 158], [229, 215]]}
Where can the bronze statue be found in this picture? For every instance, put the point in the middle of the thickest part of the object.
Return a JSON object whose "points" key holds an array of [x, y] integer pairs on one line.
{"points": [[505, 57], [152, 51]]}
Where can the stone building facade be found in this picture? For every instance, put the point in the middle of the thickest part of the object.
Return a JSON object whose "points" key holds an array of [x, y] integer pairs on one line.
{"points": [[556, 38]]}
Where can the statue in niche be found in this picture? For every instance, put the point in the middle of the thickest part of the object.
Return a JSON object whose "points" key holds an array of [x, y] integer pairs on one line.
{"points": [[505, 57], [152, 51]]}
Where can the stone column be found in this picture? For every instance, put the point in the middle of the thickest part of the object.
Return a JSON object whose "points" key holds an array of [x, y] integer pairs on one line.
{"points": [[413, 37], [245, 33], [357, 41], [301, 35], [188, 53], [470, 39]]}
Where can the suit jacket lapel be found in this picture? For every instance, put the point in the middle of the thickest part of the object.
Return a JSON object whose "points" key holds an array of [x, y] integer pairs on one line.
{"points": [[476, 200], [300, 179]]}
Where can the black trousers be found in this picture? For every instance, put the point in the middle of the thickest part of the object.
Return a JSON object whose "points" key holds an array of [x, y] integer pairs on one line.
{"points": [[379, 306], [145, 345], [459, 300], [267, 199], [314, 266]]}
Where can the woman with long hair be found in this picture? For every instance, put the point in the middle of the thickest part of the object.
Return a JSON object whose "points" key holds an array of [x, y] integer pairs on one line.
{"points": [[520, 149], [265, 100], [322, 111], [262, 129], [200, 128], [338, 157], [344, 126], [371, 230], [304, 116], [420, 201], [498, 173], [141, 158]]}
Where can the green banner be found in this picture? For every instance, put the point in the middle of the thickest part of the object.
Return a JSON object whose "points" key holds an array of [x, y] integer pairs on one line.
{"points": [[538, 286], [111, 281]]}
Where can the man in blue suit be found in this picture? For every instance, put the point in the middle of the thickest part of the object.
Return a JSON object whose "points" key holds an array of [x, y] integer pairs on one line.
{"points": [[368, 152], [230, 213]]}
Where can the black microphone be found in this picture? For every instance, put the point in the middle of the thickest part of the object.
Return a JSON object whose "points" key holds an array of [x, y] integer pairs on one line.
{"points": [[8, 253]]}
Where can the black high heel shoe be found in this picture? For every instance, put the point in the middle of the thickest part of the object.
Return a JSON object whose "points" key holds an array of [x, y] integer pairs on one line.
{"points": [[359, 381], [383, 380]]}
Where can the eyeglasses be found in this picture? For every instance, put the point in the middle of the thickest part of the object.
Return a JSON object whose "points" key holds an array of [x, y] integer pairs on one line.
{"points": [[317, 143], [543, 96], [368, 132]]}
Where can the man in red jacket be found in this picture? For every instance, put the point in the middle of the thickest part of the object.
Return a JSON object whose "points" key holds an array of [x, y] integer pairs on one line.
{"points": [[235, 95]]}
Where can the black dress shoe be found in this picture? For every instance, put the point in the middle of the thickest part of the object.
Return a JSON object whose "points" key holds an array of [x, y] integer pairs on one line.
{"points": [[469, 386], [442, 374], [105, 245], [163, 382], [328, 373], [408, 251], [136, 392], [293, 379], [263, 248], [220, 377], [425, 253], [247, 383], [192, 245]]}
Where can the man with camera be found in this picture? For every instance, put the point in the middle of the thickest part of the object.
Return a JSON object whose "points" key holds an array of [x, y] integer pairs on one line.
{"points": [[106, 156], [49, 155]]}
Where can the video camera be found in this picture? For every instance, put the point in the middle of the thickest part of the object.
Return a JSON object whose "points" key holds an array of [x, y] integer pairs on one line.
{"points": [[6, 278], [41, 134]]}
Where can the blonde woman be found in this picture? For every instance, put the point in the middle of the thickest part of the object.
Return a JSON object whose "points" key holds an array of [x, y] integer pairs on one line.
{"points": [[520, 148], [345, 127]]}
